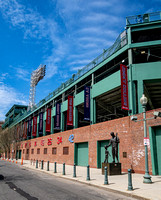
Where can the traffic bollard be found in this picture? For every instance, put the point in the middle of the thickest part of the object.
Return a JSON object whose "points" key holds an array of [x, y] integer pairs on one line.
{"points": [[88, 176], [63, 168], [74, 170], [106, 177], [47, 165], [130, 187], [55, 170], [36, 163], [42, 164]]}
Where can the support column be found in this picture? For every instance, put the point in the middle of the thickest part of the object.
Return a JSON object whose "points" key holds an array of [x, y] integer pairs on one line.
{"points": [[92, 104], [130, 81], [31, 128], [75, 117], [75, 110], [140, 92], [52, 122], [94, 111], [44, 123], [37, 132], [62, 120]]}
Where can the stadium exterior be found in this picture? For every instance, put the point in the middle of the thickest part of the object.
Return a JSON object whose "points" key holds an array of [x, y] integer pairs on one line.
{"points": [[77, 132]]}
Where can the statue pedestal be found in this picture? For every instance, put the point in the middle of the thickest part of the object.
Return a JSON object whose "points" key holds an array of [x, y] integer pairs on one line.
{"points": [[112, 168]]}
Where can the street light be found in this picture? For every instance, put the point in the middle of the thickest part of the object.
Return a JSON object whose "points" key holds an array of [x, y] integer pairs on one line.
{"points": [[147, 177]]}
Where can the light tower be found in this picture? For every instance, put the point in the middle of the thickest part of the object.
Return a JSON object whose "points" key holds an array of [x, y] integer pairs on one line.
{"points": [[36, 76]]}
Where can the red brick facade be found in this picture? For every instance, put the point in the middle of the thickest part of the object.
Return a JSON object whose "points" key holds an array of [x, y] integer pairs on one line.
{"points": [[131, 136]]}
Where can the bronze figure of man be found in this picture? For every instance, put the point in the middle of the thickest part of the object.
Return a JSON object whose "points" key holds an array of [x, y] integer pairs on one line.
{"points": [[114, 141]]}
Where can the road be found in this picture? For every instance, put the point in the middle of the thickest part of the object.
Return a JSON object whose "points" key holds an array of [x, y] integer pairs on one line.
{"points": [[21, 183]]}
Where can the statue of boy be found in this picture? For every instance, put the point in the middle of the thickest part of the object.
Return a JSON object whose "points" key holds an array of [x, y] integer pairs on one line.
{"points": [[114, 141], [106, 154]]}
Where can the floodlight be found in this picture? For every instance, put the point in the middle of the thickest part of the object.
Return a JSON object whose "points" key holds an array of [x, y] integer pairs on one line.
{"points": [[134, 118], [157, 114]]}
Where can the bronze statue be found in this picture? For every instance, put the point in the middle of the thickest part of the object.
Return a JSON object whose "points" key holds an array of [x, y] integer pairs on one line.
{"points": [[114, 141], [106, 154]]}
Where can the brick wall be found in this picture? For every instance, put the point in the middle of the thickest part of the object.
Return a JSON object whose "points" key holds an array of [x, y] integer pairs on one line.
{"points": [[131, 136]]}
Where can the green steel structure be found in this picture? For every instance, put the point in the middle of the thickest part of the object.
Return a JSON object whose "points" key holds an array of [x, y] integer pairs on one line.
{"points": [[13, 113], [138, 47]]}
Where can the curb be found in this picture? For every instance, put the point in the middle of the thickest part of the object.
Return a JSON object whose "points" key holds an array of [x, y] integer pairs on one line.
{"points": [[90, 184]]}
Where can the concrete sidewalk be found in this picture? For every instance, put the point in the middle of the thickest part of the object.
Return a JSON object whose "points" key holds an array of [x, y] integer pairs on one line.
{"points": [[117, 183]]}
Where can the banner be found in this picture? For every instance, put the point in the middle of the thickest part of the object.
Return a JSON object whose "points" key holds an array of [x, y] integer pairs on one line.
{"points": [[34, 128], [70, 111], [124, 87], [29, 128], [48, 119], [40, 128], [58, 116], [87, 103]]}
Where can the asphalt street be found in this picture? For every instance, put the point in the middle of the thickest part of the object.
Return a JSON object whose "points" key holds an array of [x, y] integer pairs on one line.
{"points": [[20, 183]]}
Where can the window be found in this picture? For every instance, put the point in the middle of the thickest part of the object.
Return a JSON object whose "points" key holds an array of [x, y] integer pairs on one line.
{"points": [[65, 150], [23, 151], [32, 151], [124, 154], [27, 151], [45, 150], [38, 151], [54, 150]]}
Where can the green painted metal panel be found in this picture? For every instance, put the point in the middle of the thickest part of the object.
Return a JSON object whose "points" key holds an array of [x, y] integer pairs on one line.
{"points": [[101, 152], [64, 106], [82, 154], [44, 116], [158, 149], [155, 142], [144, 44], [152, 149], [44, 127], [146, 71], [75, 153], [20, 154], [79, 98], [98, 154], [17, 154], [75, 117], [53, 113], [106, 84], [145, 27]]}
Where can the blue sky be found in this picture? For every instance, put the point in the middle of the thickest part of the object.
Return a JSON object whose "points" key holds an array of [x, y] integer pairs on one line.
{"points": [[65, 35]]}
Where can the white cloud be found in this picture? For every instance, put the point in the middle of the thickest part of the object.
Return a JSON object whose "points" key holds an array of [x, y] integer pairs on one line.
{"points": [[3, 77], [76, 68], [21, 73], [8, 97], [19, 16], [85, 61], [83, 31], [102, 4], [34, 26]]}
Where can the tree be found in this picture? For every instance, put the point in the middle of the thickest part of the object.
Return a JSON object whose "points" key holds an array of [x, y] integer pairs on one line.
{"points": [[10, 138], [5, 141]]}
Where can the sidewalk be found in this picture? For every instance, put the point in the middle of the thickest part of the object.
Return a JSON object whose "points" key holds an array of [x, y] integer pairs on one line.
{"points": [[118, 183]]}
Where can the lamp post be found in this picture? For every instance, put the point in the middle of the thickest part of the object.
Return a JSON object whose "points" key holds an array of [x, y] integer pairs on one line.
{"points": [[147, 177]]}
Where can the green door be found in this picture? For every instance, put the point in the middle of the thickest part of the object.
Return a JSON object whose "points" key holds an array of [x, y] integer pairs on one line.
{"points": [[101, 152], [19, 154], [157, 150], [81, 151]]}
